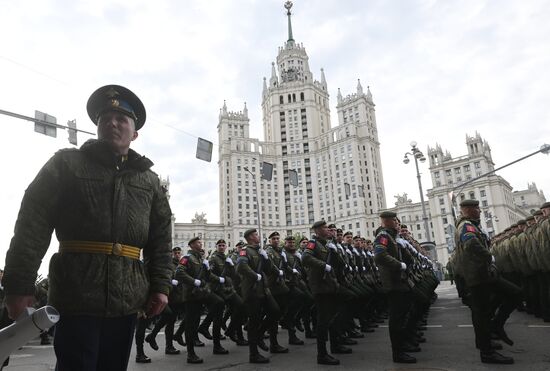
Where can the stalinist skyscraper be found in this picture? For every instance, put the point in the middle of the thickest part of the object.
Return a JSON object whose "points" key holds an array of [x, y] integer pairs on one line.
{"points": [[339, 170]]}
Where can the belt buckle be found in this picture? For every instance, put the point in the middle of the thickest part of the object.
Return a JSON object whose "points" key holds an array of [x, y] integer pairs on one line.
{"points": [[117, 249]]}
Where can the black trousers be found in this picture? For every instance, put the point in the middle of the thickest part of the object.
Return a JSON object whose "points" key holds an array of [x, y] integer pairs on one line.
{"points": [[256, 308], [400, 305], [327, 308], [141, 326], [86, 343], [500, 294], [193, 311]]}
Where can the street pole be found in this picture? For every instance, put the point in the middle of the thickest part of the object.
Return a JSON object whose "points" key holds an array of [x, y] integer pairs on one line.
{"points": [[418, 155], [257, 204]]}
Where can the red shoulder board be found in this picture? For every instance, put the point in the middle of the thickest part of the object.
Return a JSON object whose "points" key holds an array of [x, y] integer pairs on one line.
{"points": [[383, 241], [242, 252], [311, 245], [470, 228], [184, 260]]}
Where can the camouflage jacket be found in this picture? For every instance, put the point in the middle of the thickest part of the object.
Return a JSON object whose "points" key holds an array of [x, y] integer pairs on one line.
{"points": [[472, 251], [191, 269], [220, 268], [388, 256], [314, 259], [276, 282], [249, 264], [87, 195]]}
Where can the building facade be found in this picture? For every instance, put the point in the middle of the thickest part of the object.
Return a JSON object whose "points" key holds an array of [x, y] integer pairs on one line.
{"points": [[339, 172], [529, 199]]}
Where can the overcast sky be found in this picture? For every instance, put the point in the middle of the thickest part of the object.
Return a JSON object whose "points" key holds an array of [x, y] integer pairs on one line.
{"points": [[438, 70]]}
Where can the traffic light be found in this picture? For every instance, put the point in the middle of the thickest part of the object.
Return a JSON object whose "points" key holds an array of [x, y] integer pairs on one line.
{"points": [[72, 132], [43, 127]]}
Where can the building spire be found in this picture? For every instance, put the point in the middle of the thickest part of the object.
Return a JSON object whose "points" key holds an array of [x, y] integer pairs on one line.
{"points": [[288, 6], [359, 87]]}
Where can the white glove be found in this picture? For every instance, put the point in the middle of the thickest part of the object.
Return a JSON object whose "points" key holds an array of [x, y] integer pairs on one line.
{"points": [[175, 282], [259, 277], [280, 273], [403, 266], [206, 264], [493, 259], [229, 261], [222, 280], [263, 253], [328, 268], [197, 283], [356, 268], [283, 254], [295, 271]]}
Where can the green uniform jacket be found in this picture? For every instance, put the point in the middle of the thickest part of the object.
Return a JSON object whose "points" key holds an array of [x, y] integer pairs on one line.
{"points": [[295, 279], [386, 256], [248, 268], [220, 268], [472, 251], [314, 260], [191, 269], [87, 195], [543, 238], [277, 284]]}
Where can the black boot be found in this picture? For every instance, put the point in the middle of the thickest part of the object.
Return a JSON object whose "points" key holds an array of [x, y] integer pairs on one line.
{"points": [[193, 358], [218, 349], [152, 341], [293, 339], [501, 334], [401, 357], [327, 359], [178, 337], [258, 358], [496, 358], [171, 350], [142, 358], [340, 349], [204, 332]]}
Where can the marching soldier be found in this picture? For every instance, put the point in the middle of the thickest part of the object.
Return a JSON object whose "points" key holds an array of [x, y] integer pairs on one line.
{"points": [[319, 259], [482, 280], [194, 275], [252, 266], [392, 261]]}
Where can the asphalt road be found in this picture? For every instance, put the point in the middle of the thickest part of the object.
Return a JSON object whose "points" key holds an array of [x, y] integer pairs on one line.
{"points": [[449, 346]]}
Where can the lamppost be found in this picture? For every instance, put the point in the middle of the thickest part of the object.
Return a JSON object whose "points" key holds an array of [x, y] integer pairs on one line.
{"points": [[257, 202], [418, 155]]}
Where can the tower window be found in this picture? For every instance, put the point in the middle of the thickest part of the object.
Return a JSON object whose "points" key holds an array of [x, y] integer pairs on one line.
{"points": [[281, 100], [302, 97]]}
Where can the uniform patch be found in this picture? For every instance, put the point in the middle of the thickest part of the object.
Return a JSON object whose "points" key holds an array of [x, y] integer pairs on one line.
{"points": [[470, 228], [242, 253], [383, 241], [184, 260], [311, 245]]}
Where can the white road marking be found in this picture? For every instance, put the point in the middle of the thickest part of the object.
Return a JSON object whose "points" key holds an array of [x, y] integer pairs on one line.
{"points": [[542, 326], [464, 325], [14, 356]]}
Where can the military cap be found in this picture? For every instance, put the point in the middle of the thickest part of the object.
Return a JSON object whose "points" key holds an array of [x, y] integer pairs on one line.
{"points": [[468, 203], [318, 224], [532, 217], [522, 222], [193, 240], [274, 234], [538, 212], [304, 238], [248, 232], [545, 205], [116, 98], [388, 214], [332, 226], [289, 238], [220, 241], [177, 248], [339, 230], [357, 238], [404, 226], [240, 243], [348, 233]]}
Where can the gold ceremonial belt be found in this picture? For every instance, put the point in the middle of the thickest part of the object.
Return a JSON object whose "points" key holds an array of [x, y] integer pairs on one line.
{"points": [[94, 247]]}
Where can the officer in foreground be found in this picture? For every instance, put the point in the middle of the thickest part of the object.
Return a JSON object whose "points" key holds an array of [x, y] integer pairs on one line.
{"points": [[107, 208], [476, 265]]}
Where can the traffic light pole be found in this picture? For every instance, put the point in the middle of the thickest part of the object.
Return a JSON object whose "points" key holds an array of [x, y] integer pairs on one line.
{"points": [[28, 118]]}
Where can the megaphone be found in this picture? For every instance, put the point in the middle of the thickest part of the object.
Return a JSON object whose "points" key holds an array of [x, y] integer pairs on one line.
{"points": [[28, 326]]}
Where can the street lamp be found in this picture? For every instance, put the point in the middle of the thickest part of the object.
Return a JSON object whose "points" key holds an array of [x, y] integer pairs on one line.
{"points": [[257, 202], [418, 155]]}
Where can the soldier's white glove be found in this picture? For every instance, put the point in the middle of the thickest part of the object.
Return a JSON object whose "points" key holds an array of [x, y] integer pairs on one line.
{"points": [[493, 259], [263, 253], [175, 282], [295, 271], [283, 254], [229, 261], [280, 273], [328, 268], [197, 283], [403, 266], [356, 268], [259, 277], [222, 280], [206, 264]]}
